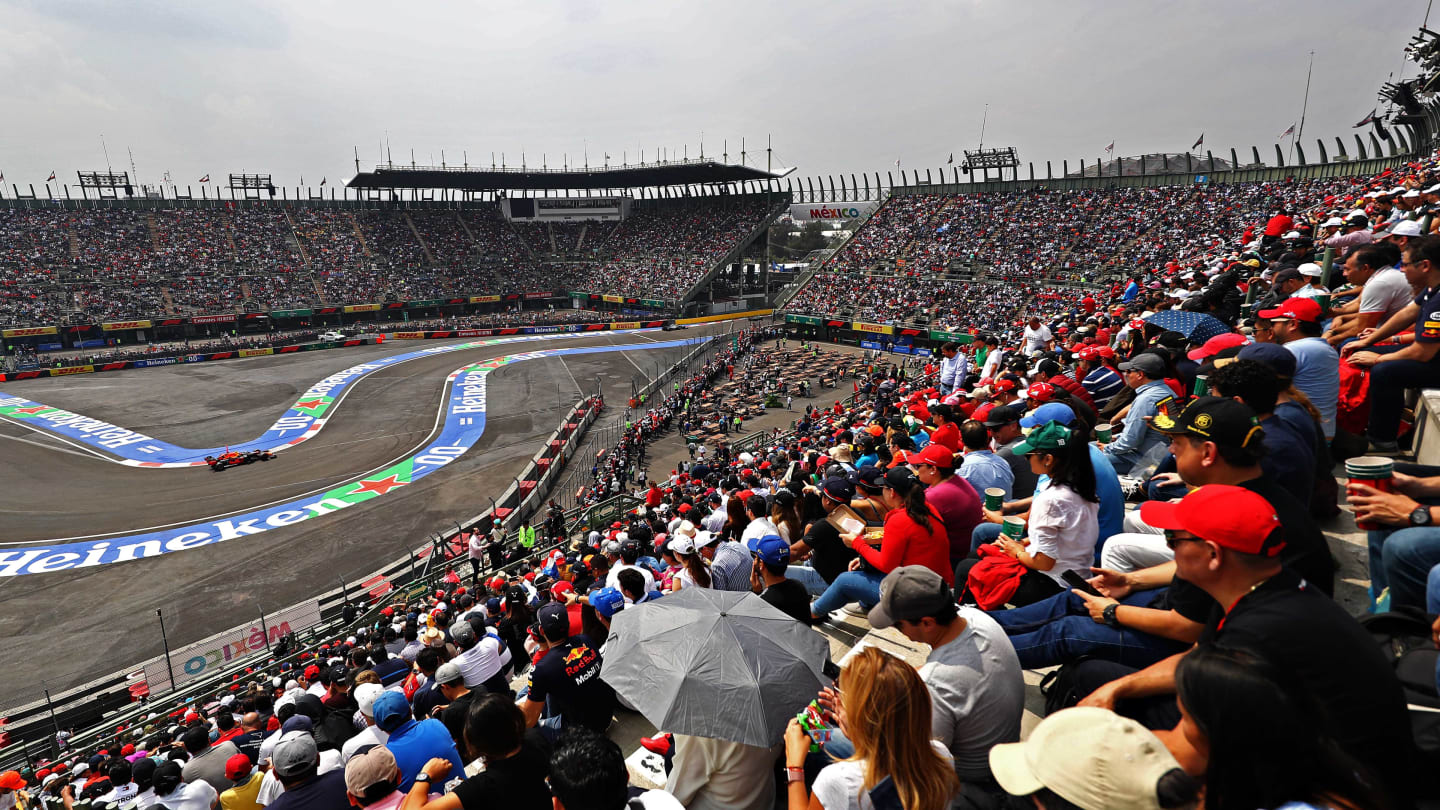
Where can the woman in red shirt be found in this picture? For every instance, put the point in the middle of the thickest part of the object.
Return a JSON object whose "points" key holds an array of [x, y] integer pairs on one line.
{"points": [[914, 535]]}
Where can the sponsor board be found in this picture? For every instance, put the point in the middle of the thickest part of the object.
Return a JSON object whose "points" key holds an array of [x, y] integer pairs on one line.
{"points": [[362, 308], [462, 426], [484, 299], [612, 299], [874, 328], [116, 326], [158, 361], [805, 319], [753, 313], [626, 325], [290, 313], [194, 660], [68, 370], [256, 352], [531, 296], [407, 335], [217, 318], [29, 331], [833, 212]]}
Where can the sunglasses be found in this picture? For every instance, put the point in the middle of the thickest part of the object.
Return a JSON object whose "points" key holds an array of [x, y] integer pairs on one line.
{"points": [[1172, 537]]}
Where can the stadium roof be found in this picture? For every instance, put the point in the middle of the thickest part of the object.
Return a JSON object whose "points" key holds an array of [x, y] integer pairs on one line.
{"points": [[670, 173]]}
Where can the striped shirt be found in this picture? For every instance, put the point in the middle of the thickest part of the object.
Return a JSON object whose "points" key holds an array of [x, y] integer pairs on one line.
{"points": [[730, 570], [1103, 384]]}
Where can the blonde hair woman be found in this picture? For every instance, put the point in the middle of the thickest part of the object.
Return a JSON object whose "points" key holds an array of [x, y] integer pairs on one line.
{"points": [[886, 715]]}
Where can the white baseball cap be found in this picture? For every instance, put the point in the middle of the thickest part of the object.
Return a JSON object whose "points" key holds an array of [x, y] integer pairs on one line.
{"points": [[1405, 227], [1310, 269], [1075, 753], [365, 695]]}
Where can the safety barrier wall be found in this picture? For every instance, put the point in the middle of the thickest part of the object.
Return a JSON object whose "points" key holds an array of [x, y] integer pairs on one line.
{"points": [[182, 359]]}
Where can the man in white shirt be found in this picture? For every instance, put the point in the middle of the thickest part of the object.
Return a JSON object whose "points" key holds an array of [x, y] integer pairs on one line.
{"points": [[629, 555], [365, 695], [481, 659], [1038, 337], [1383, 292], [756, 507]]}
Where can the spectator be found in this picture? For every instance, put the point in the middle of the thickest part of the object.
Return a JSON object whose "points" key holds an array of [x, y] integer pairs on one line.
{"points": [[828, 555], [371, 735], [1004, 425], [977, 693], [176, 794], [772, 558], [914, 534], [1234, 700], [1296, 325], [1068, 762], [1383, 292], [729, 562], [516, 763], [243, 796], [981, 468], [568, 675], [207, 762], [587, 772], [1145, 373], [372, 780], [297, 766], [885, 712], [954, 497], [413, 742], [458, 698]]}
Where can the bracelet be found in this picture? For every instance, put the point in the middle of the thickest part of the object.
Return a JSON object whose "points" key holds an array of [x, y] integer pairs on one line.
{"points": [[794, 774]]}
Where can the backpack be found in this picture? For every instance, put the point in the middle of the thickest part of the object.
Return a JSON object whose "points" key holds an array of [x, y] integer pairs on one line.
{"points": [[992, 581], [1404, 637]]}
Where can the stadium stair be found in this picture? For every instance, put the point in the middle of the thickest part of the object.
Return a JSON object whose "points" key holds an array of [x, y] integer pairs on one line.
{"points": [[154, 232], [580, 242], [429, 256], [300, 247], [360, 235]]}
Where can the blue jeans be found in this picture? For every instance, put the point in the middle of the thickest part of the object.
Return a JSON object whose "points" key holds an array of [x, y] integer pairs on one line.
{"points": [[982, 534], [1432, 607], [1406, 557], [1059, 630], [1388, 384], [861, 586], [804, 574]]}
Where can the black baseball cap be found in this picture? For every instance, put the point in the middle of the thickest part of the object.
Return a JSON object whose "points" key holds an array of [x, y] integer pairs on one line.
{"points": [[1001, 415], [1221, 420], [839, 489], [554, 620]]}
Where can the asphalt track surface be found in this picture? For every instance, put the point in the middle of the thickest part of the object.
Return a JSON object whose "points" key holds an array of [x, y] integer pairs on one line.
{"points": [[70, 627]]}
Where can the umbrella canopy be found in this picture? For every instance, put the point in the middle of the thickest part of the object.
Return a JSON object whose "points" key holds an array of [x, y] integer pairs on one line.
{"points": [[720, 664], [1198, 327]]}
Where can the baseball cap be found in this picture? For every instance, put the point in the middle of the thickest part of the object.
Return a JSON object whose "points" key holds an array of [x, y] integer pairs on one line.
{"points": [[909, 592], [899, 477], [1288, 274], [391, 711], [448, 672], [607, 601], [773, 550], [1001, 415], [1040, 392], [839, 489], [1049, 412], [1217, 344], [1309, 270], [370, 768], [365, 695], [1221, 420], [561, 588], [1230, 517], [11, 779], [1405, 227], [236, 768], [1293, 309], [1280, 359], [554, 619], [462, 634], [1148, 362], [1074, 752], [297, 751], [1049, 436], [936, 455]]}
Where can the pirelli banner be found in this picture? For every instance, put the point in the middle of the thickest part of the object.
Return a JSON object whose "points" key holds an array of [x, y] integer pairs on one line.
{"points": [[872, 328], [613, 299], [30, 331]]}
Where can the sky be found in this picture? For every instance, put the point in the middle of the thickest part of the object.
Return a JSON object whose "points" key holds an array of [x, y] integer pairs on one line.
{"points": [[293, 88]]}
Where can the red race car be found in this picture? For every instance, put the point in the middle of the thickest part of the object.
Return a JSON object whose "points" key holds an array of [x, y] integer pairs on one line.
{"points": [[235, 459]]}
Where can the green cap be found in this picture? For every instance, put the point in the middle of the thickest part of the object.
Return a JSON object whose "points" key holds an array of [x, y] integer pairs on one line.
{"points": [[1049, 436]]}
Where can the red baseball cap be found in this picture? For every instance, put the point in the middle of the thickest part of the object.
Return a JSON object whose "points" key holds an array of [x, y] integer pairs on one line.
{"points": [[1005, 385], [1293, 309], [562, 587], [237, 767], [1040, 392], [1217, 344], [1136, 323], [11, 780], [1230, 517], [936, 455]]}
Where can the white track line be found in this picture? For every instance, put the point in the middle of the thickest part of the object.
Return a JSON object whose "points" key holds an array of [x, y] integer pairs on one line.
{"points": [[42, 445]]}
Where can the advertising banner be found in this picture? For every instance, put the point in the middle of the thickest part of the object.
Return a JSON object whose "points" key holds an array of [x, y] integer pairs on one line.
{"points": [[433, 302], [874, 328], [626, 325], [531, 296], [407, 335], [213, 318], [290, 313], [116, 326], [363, 308], [805, 319], [832, 212], [256, 352], [653, 302], [958, 337], [68, 370], [484, 299], [27, 332], [612, 299], [158, 361], [194, 660]]}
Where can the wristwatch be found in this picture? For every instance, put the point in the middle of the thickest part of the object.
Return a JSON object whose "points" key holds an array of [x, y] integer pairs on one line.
{"points": [[1420, 517], [1109, 615], [794, 774], [423, 777]]}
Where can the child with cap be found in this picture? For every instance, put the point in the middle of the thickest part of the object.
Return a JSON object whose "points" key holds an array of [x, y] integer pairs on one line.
{"points": [[245, 793]]}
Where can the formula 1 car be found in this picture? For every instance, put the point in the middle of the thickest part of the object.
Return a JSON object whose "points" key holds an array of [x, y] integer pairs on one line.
{"points": [[236, 459]]}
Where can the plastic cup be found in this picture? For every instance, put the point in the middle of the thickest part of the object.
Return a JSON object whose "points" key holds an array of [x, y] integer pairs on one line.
{"points": [[1013, 527], [1202, 385], [1374, 471], [1103, 433], [1324, 302], [994, 498]]}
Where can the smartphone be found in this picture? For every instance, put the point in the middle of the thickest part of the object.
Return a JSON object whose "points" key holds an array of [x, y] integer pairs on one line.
{"points": [[1074, 579]]}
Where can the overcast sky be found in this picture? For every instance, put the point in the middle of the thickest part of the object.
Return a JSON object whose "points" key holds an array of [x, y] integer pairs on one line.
{"points": [[292, 87]]}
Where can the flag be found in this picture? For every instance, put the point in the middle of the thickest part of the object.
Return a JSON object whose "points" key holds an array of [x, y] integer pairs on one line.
{"points": [[2, 177], [51, 177], [322, 181], [1367, 119], [952, 158], [1290, 131], [1110, 148], [897, 163], [1199, 142], [205, 179]]}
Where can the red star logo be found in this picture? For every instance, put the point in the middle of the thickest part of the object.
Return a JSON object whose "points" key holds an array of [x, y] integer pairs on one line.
{"points": [[380, 487], [309, 404], [33, 409]]}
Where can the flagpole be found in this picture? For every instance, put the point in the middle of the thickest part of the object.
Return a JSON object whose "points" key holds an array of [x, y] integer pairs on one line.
{"points": [[983, 121], [1305, 105]]}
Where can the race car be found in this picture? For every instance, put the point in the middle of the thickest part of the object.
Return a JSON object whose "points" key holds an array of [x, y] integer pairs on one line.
{"points": [[236, 459]]}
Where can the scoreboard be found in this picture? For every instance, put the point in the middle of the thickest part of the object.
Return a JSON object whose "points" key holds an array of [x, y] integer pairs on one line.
{"points": [[565, 209]]}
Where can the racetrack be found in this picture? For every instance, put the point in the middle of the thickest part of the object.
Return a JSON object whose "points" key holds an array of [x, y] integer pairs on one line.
{"points": [[72, 626]]}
